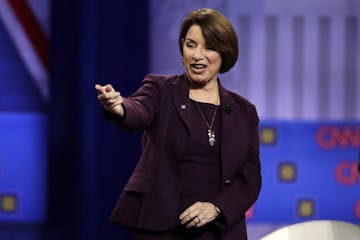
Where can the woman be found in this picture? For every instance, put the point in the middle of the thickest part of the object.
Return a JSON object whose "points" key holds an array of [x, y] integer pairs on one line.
{"points": [[199, 170]]}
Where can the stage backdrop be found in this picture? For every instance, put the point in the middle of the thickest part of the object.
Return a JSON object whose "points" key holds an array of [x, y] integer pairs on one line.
{"points": [[299, 64], [24, 95]]}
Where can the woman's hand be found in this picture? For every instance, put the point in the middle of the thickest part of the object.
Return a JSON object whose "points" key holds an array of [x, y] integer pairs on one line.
{"points": [[110, 99], [198, 214]]}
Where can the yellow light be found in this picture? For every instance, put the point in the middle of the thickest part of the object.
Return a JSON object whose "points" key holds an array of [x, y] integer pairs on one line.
{"points": [[268, 136], [287, 172], [8, 203], [306, 208]]}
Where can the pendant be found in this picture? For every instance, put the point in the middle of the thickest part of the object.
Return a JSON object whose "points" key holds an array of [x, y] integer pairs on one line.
{"points": [[211, 135]]}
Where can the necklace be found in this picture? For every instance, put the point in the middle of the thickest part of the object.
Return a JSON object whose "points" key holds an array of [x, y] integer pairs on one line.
{"points": [[211, 131]]}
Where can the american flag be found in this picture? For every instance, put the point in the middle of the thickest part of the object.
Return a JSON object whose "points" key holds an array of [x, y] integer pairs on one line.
{"points": [[26, 22]]}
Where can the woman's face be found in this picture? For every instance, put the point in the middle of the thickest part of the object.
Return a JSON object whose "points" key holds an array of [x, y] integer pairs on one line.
{"points": [[201, 63]]}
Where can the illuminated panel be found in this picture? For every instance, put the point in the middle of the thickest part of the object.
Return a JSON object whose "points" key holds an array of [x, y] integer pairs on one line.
{"points": [[287, 172], [23, 158], [8, 203], [306, 208], [268, 135], [301, 159]]}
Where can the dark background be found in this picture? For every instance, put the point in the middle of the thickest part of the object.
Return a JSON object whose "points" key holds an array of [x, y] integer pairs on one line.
{"points": [[92, 42]]}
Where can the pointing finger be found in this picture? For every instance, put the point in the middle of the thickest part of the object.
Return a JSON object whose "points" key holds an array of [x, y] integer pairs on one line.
{"points": [[99, 88], [104, 89]]}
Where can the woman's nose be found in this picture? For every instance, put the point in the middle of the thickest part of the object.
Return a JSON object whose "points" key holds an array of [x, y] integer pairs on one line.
{"points": [[198, 54]]}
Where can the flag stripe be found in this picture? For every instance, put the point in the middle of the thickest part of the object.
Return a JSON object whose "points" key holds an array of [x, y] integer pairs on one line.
{"points": [[25, 49], [32, 29]]}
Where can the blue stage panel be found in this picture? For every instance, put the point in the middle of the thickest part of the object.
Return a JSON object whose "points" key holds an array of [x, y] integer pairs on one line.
{"points": [[23, 167], [309, 171]]}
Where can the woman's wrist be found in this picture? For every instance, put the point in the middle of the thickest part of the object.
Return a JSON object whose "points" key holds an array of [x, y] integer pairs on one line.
{"points": [[218, 211]]}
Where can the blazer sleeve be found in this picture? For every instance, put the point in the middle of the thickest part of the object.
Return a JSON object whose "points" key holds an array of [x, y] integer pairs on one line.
{"points": [[235, 199], [141, 107]]}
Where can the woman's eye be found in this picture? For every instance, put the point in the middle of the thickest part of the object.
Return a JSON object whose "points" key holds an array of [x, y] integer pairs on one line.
{"points": [[190, 45]]}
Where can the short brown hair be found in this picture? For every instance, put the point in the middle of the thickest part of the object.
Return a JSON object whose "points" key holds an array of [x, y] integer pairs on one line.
{"points": [[218, 34]]}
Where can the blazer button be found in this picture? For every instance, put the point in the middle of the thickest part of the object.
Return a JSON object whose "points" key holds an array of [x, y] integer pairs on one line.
{"points": [[228, 182]]}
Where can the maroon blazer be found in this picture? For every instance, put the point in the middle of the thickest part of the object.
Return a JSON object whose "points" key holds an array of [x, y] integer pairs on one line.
{"points": [[150, 199]]}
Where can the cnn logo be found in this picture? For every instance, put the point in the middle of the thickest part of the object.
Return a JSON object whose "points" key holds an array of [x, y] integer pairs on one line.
{"points": [[346, 173], [329, 137], [357, 209]]}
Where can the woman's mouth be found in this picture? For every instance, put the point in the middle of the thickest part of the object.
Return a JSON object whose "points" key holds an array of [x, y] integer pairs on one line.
{"points": [[198, 68]]}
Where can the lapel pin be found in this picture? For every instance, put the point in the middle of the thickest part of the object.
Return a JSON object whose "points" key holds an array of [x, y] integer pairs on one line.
{"points": [[183, 106]]}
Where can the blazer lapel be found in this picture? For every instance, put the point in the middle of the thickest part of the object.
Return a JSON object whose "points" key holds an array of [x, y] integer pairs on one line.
{"points": [[233, 132], [181, 100]]}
